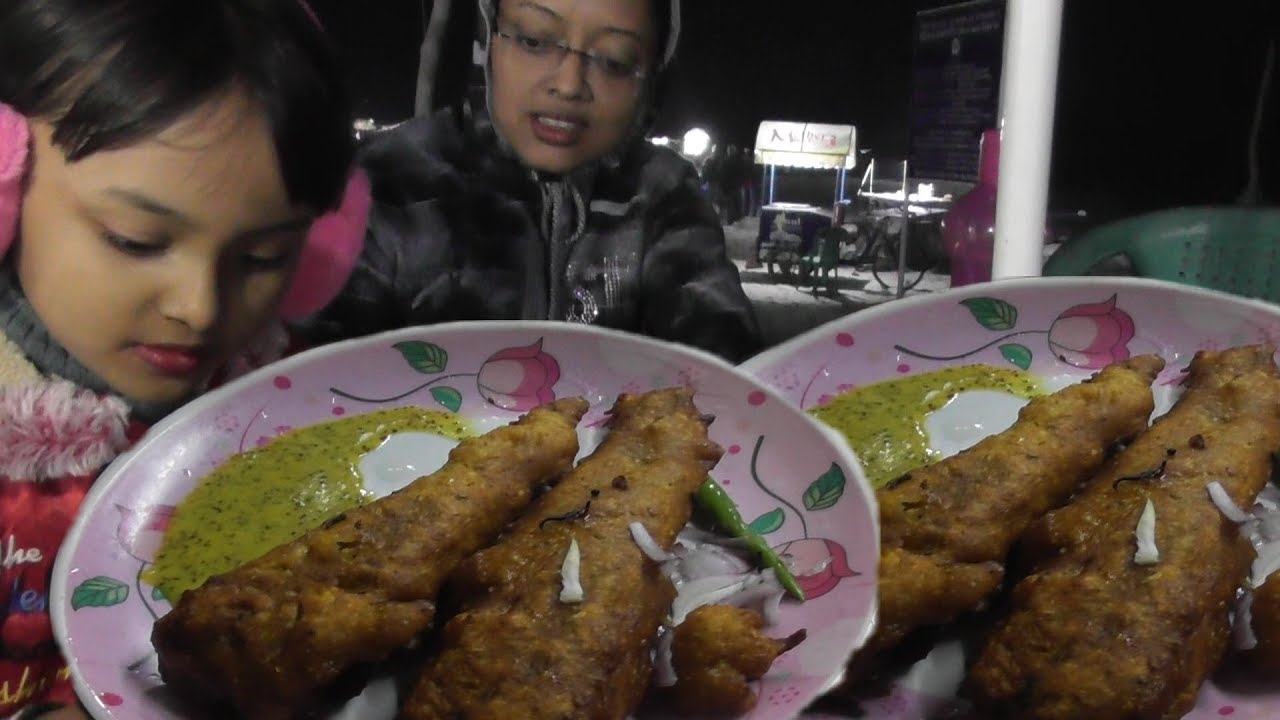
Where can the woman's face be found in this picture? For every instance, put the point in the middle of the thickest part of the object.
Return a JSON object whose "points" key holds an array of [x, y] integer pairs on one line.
{"points": [[562, 109], [155, 263]]}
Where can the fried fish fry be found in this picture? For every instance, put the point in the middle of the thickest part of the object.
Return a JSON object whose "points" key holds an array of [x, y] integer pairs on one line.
{"points": [[1094, 634], [268, 635], [517, 649], [972, 506], [717, 652], [946, 528], [926, 591]]}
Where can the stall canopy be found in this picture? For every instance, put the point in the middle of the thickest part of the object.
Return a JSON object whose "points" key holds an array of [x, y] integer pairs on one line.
{"points": [[806, 145], [815, 146]]}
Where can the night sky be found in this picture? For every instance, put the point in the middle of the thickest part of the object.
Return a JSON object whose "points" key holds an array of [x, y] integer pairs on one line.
{"points": [[1155, 100]]}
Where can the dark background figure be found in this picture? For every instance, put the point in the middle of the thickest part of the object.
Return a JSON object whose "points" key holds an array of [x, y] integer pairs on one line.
{"points": [[713, 172], [735, 170]]}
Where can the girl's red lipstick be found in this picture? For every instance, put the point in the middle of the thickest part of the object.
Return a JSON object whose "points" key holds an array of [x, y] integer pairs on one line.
{"points": [[176, 360]]}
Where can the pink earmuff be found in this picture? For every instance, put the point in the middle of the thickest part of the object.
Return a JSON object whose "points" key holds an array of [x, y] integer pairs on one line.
{"points": [[331, 251], [333, 246], [15, 144]]}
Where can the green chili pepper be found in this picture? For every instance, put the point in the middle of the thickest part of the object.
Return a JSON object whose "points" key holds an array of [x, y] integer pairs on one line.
{"points": [[712, 498]]}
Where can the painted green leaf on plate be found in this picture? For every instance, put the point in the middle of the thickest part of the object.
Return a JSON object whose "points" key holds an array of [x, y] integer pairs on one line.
{"points": [[100, 591], [1019, 355], [992, 313], [427, 358], [825, 492], [769, 522], [448, 397]]}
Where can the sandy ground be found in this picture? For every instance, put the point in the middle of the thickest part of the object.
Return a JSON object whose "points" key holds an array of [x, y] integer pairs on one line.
{"points": [[785, 310]]}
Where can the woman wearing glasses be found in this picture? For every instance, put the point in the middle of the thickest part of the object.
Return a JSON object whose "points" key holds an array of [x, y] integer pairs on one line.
{"points": [[539, 198]]}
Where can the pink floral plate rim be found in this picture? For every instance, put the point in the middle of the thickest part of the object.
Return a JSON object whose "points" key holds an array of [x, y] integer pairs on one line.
{"points": [[1060, 328], [511, 366]]}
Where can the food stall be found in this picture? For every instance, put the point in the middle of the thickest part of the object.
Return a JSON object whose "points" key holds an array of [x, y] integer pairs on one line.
{"points": [[788, 230]]}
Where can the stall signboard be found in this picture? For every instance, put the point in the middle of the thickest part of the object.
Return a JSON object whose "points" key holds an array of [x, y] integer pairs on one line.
{"points": [[806, 145], [955, 93]]}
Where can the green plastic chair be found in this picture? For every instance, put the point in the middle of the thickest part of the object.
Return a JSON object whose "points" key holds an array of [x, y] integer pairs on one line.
{"points": [[1233, 249], [823, 261]]}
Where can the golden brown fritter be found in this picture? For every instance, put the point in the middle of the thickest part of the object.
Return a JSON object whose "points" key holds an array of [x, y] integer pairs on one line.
{"points": [[947, 528], [268, 635], [972, 506], [1093, 635], [922, 591], [515, 650], [717, 652]]}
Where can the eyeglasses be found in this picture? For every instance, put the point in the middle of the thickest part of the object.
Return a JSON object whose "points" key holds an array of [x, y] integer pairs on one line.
{"points": [[550, 53]]}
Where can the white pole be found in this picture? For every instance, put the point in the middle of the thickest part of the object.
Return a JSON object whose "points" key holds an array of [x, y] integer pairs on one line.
{"points": [[429, 55], [1033, 30], [904, 235]]}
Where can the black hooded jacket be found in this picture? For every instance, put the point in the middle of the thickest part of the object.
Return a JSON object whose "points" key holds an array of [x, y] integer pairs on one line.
{"points": [[461, 230]]}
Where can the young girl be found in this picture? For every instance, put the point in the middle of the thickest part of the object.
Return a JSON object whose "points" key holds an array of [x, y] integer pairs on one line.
{"points": [[162, 168], [539, 197]]}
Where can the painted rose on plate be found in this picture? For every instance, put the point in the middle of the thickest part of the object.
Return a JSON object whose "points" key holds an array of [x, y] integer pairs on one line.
{"points": [[1092, 335], [141, 530], [1089, 336], [818, 564], [519, 378], [516, 379]]}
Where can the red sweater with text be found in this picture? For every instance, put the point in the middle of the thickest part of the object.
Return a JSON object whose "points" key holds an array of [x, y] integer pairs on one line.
{"points": [[55, 439]]}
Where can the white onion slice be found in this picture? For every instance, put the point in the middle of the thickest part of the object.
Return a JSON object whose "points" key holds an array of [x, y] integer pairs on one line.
{"points": [[1269, 526], [1266, 563], [664, 670], [707, 559], [1147, 553], [1225, 504], [1242, 623], [1262, 527], [712, 583], [772, 610], [757, 591], [571, 590], [704, 591], [647, 544]]}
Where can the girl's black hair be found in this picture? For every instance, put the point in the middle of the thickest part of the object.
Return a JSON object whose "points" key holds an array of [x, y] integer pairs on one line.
{"points": [[108, 73]]}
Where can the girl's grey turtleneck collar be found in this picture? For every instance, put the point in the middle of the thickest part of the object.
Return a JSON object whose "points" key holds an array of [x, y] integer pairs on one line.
{"points": [[20, 324]]}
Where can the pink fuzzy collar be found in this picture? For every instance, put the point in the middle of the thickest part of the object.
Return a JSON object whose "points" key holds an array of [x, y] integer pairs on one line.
{"points": [[51, 429]]}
